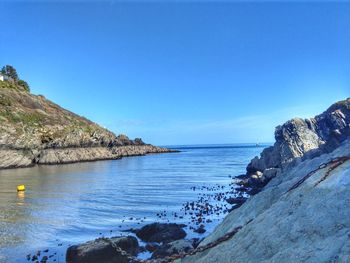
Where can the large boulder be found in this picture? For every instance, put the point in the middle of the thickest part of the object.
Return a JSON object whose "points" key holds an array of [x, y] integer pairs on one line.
{"points": [[158, 232], [103, 250]]}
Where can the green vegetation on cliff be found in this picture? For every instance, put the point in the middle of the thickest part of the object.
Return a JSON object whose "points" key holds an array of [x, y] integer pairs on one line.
{"points": [[11, 79], [32, 121]]}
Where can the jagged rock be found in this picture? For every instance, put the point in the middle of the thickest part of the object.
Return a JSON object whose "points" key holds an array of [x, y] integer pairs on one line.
{"points": [[200, 230], [101, 250], [138, 141], [269, 173], [302, 214], [151, 247], [236, 200], [174, 247], [159, 232], [16, 158], [301, 139], [307, 224], [195, 241]]}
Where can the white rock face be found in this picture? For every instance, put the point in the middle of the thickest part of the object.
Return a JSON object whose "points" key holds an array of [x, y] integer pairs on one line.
{"points": [[308, 224]]}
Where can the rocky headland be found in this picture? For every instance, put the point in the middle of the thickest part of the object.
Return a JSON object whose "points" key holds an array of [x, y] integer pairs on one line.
{"points": [[35, 130], [298, 209], [298, 140]]}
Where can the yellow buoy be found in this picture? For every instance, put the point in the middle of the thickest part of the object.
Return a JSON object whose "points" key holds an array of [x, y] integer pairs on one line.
{"points": [[21, 188]]}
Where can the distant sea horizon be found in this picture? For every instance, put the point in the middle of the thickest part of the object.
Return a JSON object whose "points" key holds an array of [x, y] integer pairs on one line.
{"points": [[72, 203], [218, 145]]}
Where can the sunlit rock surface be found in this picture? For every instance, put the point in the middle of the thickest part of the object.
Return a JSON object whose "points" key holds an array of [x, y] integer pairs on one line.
{"points": [[286, 221], [35, 130], [308, 224], [300, 139]]}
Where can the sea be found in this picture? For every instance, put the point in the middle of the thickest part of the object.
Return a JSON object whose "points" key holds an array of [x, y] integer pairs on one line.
{"points": [[68, 204]]}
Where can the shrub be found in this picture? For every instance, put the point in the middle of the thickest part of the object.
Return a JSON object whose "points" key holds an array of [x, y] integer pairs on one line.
{"points": [[23, 84]]}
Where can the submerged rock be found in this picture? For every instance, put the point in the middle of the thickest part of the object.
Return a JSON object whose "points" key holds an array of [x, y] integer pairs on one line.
{"points": [[151, 247], [102, 250], [174, 247], [158, 232], [200, 229], [236, 200]]}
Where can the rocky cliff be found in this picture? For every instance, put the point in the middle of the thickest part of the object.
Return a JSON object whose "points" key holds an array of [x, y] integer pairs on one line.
{"points": [[35, 130], [301, 211], [299, 139]]}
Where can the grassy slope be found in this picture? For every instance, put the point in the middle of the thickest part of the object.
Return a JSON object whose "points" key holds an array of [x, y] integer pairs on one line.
{"points": [[31, 121]]}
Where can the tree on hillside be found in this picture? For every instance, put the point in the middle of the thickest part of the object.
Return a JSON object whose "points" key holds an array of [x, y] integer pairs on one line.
{"points": [[10, 71], [23, 84]]}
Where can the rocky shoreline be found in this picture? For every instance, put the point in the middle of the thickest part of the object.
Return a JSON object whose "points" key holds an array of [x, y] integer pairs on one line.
{"points": [[35, 130], [293, 187], [17, 158], [164, 241], [298, 140]]}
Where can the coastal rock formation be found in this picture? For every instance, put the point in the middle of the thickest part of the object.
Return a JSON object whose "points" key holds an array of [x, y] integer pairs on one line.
{"points": [[299, 139], [34, 130], [300, 214], [301, 211], [158, 232], [103, 250], [295, 218], [171, 248]]}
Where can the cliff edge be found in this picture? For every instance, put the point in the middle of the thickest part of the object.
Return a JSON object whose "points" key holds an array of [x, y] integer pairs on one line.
{"points": [[297, 140]]}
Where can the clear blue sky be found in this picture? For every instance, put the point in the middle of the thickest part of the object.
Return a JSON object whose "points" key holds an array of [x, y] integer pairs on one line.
{"points": [[182, 73]]}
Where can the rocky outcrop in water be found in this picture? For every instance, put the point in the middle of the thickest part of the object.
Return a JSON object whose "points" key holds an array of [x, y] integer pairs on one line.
{"points": [[158, 232], [301, 211], [175, 247], [34, 130], [103, 250], [299, 139]]}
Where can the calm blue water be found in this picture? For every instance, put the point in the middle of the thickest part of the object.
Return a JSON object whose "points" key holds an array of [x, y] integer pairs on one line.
{"points": [[69, 204]]}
